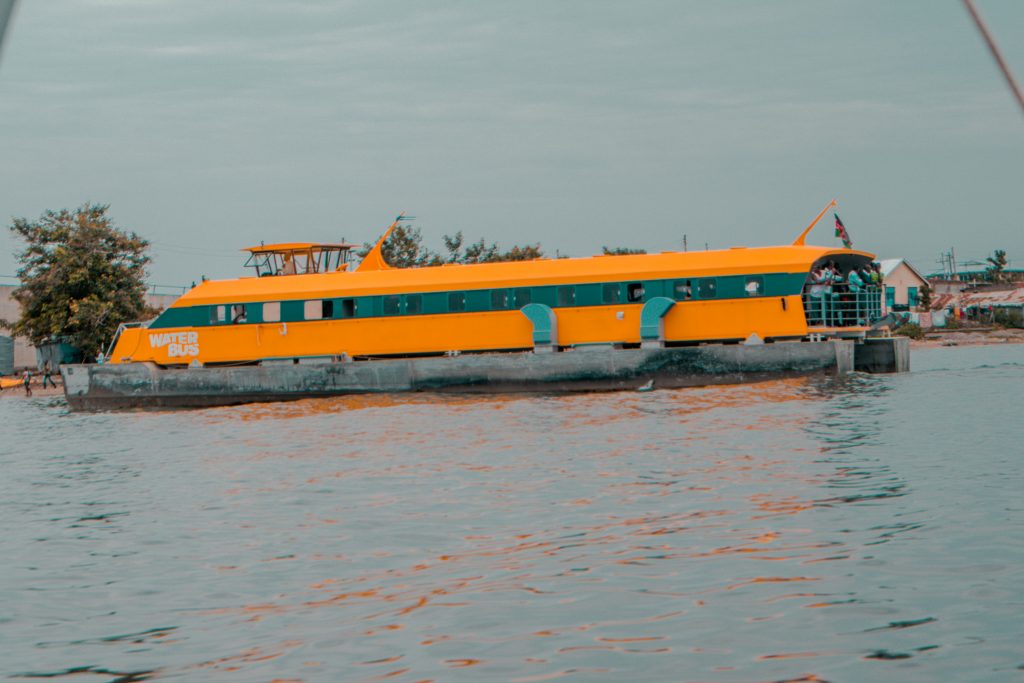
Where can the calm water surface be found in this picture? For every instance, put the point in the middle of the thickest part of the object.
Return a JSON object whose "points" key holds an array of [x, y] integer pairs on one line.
{"points": [[861, 529]]}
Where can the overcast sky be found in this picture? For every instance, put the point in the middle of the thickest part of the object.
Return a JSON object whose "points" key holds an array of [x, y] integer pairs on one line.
{"points": [[210, 126]]}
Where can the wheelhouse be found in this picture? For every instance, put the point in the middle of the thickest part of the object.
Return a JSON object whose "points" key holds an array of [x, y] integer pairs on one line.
{"points": [[299, 258]]}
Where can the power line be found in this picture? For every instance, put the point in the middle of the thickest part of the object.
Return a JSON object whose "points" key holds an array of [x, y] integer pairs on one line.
{"points": [[994, 49]]}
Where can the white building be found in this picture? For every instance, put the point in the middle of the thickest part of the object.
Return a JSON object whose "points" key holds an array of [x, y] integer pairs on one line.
{"points": [[903, 283]]}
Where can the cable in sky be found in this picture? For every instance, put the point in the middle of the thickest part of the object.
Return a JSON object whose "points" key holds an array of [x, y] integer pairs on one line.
{"points": [[995, 52]]}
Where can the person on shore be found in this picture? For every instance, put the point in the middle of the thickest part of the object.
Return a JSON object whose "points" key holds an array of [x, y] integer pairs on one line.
{"points": [[27, 379], [48, 375]]}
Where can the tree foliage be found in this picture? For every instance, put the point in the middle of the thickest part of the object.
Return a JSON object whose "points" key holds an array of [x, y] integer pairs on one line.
{"points": [[997, 265], [80, 277], [404, 249], [924, 301], [621, 251]]}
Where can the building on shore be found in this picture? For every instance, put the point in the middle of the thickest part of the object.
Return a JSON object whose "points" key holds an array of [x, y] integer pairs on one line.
{"points": [[903, 284], [25, 354]]}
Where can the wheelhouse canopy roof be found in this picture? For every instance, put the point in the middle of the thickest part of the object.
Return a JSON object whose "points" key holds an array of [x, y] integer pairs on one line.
{"points": [[298, 246]]}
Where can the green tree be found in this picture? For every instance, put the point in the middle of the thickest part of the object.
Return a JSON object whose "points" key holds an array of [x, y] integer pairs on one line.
{"points": [[482, 252], [621, 251], [924, 300], [80, 277], [998, 265], [404, 249]]}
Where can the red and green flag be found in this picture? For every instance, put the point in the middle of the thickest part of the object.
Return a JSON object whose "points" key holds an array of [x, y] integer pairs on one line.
{"points": [[841, 232]]}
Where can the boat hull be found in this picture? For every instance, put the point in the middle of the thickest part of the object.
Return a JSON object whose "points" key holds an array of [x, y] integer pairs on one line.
{"points": [[146, 385]]}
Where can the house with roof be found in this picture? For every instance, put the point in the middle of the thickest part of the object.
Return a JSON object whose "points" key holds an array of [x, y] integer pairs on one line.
{"points": [[902, 283]]}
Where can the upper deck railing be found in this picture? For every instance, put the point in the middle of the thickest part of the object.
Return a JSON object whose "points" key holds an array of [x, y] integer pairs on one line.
{"points": [[839, 305]]}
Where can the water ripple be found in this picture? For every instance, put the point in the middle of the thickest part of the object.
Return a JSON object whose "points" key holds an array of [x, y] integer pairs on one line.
{"points": [[801, 530]]}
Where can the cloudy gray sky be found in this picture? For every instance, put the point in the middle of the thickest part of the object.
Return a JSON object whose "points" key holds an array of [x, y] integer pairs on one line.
{"points": [[209, 126]]}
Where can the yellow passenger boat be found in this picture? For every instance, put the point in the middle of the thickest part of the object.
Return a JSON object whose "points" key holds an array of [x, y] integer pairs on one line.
{"points": [[306, 302], [309, 324]]}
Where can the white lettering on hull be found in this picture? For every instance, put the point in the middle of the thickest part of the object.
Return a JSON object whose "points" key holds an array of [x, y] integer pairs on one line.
{"points": [[178, 344]]}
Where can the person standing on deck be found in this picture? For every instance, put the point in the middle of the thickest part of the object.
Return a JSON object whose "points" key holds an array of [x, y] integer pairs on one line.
{"points": [[856, 285], [817, 293]]}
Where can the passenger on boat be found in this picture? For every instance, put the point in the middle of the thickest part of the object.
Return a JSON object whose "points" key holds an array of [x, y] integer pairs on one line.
{"points": [[817, 294], [852, 298]]}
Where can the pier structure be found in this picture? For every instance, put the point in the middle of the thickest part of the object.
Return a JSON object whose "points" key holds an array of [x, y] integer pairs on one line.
{"points": [[597, 368]]}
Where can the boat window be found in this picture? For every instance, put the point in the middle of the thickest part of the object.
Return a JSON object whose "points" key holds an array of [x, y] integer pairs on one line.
{"points": [[522, 296], [238, 313], [217, 314], [413, 304], [707, 288], [328, 308], [391, 304], [457, 301], [754, 286], [312, 309], [635, 292], [272, 312], [682, 290], [567, 295], [348, 308], [611, 293], [499, 299]]}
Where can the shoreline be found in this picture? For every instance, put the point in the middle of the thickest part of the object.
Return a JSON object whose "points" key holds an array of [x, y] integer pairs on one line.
{"points": [[967, 336]]}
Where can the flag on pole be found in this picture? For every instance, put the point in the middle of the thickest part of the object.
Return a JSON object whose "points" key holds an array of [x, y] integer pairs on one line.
{"points": [[841, 232]]}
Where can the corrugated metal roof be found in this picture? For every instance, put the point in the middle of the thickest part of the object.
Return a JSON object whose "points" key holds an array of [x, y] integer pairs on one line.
{"points": [[994, 297]]}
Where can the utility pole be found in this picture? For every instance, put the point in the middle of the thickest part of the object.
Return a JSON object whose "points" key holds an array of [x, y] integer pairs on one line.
{"points": [[952, 263], [684, 242]]}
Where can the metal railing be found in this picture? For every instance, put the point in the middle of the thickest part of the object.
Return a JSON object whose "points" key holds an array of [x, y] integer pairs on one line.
{"points": [[839, 306]]}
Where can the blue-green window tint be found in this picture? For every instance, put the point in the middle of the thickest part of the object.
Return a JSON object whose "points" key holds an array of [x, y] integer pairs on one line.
{"points": [[435, 302], [754, 285], [292, 311], [611, 293], [392, 304], [348, 308], [218, 315], [499, 299], [545, 295], [912, 298], [413, 304], [478, 300], [588, 295], [682, 290], [635, 292], [456, 301], [653, 288], [567, 295], [522, 296], [890, 297], [707, 288]]}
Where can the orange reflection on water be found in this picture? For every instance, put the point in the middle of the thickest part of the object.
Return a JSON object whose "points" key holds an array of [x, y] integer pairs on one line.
{"points": [[771, 579]]}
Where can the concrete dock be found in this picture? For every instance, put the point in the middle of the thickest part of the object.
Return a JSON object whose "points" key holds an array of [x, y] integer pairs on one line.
{"points": [[145, 385]]}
